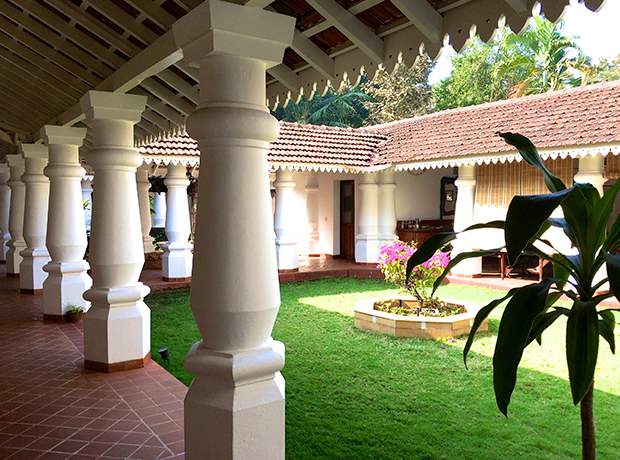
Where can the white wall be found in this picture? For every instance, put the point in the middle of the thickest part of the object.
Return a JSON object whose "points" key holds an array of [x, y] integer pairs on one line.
{"points": [[419, 196]]}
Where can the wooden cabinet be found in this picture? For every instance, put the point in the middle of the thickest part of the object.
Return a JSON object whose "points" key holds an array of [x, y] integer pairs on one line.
{"points": [[427, 229]]}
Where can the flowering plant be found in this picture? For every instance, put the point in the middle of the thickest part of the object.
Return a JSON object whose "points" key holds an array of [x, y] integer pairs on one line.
{"points": [[393, 259]]}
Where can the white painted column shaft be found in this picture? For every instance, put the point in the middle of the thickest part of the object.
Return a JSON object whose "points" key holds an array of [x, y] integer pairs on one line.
{"points": [[87, 201], [284, 225], [234, 408], [178, 257], [463, 218], [142, 179], [367, 241], [66, 233], [117, 326], [386, 196], [35, 256], [16, 215], [159, 206], [592, 171], [312, 213], [5, 206]]}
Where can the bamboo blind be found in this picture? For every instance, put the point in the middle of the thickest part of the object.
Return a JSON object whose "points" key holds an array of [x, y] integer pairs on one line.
{"points": [[612, 166], [498, 183]]}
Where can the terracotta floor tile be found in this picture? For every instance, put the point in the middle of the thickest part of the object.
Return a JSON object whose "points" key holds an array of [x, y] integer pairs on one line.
{"points": [[27, 454], [95, 448], [148, 453], [121, 451]]}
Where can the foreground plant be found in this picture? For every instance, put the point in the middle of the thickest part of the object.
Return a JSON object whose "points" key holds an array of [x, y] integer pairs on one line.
{"points": [[530, 308], [393, 258]]}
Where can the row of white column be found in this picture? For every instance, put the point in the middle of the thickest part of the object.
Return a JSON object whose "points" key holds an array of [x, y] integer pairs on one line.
{"points": [[377, 216]]}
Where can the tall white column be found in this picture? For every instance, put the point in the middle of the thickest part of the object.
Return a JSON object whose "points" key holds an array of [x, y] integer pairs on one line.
{"points": [[177, 258], [5, 206], [142, 179], [234, 408], [16, 215], [66, 234], [159, 206], [286, 240], [312, 213], [117, 326], [35, 256], [386, 196], [463, 218], [592, 171], [367, 242], [87, 201]]}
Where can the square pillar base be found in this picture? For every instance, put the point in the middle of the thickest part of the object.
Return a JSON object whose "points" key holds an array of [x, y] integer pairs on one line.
{"points": [[176, 263], [288, 256], [31, 270], [65, 284]]}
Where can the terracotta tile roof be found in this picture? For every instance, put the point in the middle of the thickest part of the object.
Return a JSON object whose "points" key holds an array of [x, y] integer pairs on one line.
{"points": [[571, 117], [326, 145], [558, 120]]}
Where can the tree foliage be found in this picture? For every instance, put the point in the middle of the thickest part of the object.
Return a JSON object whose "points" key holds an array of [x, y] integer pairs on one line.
{"points": [[402, 94], [343, 108]]}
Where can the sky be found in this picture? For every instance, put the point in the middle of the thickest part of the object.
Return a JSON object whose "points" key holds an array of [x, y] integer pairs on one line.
{"points": [[597, 32]]}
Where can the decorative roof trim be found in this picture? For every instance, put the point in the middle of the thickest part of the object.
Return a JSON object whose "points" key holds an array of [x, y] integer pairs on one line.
{"points": [[313, 168], [174, 159], [574, 152]]}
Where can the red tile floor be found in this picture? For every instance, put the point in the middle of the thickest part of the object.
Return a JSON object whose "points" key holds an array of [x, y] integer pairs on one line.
{"points": [[51, 408]]}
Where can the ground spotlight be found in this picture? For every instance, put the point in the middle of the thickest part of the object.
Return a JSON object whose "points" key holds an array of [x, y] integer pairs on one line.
{"points": [[164, 354]]}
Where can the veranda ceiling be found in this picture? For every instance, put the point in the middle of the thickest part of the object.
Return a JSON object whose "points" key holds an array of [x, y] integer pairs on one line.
{"points": [[54, 51]]}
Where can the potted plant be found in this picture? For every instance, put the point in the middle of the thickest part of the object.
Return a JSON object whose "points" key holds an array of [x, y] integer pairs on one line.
{"points": [[74, 313], [530, 309]]}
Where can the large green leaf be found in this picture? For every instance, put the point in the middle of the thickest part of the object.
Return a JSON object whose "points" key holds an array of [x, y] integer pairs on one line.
{"points": [[600, 216], [542, 322], [560, 222], [526, 215], [428, 249], [458, 259], [612, 242], [577, 210], [606, 325], [582, 337], [530, 154], [514, 329], [482, 314], [612, 262]]}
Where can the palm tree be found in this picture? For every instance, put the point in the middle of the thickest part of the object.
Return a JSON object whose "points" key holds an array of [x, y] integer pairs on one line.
{"points": [[336, 108], [545, 60]]}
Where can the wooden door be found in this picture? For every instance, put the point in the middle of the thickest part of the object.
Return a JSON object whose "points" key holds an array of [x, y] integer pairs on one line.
{"points": [[347, 219]]}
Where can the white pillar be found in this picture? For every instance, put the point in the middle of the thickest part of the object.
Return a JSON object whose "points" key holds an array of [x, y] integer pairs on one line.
{"points": [[312, 213], [87, 201], [142, 179], [592, 171], [16, 215], [463, 218], [35, 256], [367, 242], [386, 196], [5, 206], [234, 408], [66, 234], [177, 258], [117, 326], [286, 240], [159, 206]]}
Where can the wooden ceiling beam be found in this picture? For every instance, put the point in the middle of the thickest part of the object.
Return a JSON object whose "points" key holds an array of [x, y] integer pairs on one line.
{"points": [[30, 91], [88, 22], [69, 32], [286, 76], [149, 127], [355, 9], [16, 106], [259, 3], [59, 43], [173, 100], [189, 91], [26, 98], [160, 107], [520, 6], [153, 11], [24, 44], [366, 40], [132, 26], [313, 55], [156, 119], [423, 16], [31, 72]]}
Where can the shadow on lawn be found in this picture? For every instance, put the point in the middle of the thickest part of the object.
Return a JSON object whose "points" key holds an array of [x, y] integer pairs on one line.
{"points": [[354, 394]]}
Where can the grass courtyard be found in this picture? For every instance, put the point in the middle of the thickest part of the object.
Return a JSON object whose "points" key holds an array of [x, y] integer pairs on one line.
{"points": [[352, 394]]}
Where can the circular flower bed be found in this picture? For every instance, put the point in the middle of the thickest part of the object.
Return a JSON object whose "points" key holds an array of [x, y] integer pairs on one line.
{"points": [[403, 307]]}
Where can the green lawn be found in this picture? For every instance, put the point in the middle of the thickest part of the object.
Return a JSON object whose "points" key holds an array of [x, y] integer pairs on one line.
{"points": [[352, 394]]}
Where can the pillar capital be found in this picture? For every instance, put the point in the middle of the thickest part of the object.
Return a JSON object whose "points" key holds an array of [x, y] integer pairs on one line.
{"points": [[36, 151], [217, 27], [4, 170], [15, 161], [63, 135], [102, 105]]}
